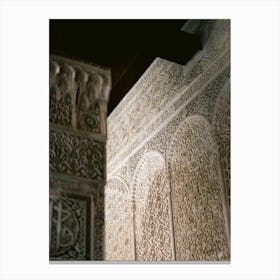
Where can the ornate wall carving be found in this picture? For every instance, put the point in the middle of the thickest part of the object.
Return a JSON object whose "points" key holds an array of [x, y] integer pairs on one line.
{"points": [[69, 227], [221, 123], [78, 109], [152, 209], [119, 237], [77, 155], [199, 225], [178, 114], [78, 95]]}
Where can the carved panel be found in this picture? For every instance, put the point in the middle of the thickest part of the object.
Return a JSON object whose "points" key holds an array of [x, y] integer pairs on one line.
{"points": [[207, 85], [79, 94], [69, 231], [119, 244], [77, 155], [199, 225], [76, 94], [146, 120], [89, 209], [156, 89], [152, 211]]}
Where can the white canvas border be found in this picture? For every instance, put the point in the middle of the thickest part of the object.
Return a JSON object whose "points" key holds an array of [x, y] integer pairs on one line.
{"points": [[24, 138]]}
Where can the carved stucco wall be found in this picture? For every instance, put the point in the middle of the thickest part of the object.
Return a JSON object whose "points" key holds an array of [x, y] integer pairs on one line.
{"points": [[78, 109], [118, 233], [196, 193], [169, 140], [152, 211]]}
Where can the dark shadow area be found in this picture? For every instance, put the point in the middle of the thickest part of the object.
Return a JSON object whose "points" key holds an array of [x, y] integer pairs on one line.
{"points": [[128, 47]]}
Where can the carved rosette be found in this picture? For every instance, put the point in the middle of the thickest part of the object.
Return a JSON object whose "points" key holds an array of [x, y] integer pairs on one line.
{"points": [[78, 110]]}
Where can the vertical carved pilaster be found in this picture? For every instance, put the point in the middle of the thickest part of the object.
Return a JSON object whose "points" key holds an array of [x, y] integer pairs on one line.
{"points": [[78, 100]]}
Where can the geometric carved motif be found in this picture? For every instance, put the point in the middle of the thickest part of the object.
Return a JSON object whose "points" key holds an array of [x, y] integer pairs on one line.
{"points": [[152, 209], [119, 243], [68, 228], [199, 225], [76, 155]]}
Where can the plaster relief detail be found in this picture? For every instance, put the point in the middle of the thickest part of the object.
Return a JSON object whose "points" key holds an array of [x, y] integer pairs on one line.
{"points": [[76, 155], [152, 217], [77, 95], [68, 228], [119, 238], [169, 138], [199, 225]]}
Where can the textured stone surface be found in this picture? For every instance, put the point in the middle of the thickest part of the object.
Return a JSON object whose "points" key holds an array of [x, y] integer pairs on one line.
{"points": [[78, 109], [119, 236], [172, 133], [196, 193], [78, 95], [68, 227], [221, 122], [77, 155], [152, 209]]}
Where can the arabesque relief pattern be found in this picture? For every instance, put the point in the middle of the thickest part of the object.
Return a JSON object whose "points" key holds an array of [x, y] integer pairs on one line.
{"points": [[170, 139], [119, 244], [152, 224], [77, 155], [78, 109], [196, 193], [68, 228]]}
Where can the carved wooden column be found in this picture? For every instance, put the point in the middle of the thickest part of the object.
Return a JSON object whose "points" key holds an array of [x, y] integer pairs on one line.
{"points": [[78, 110]]}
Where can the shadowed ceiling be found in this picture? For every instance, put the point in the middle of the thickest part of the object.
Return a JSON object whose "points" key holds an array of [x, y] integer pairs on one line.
{"points": [[128, 47]]}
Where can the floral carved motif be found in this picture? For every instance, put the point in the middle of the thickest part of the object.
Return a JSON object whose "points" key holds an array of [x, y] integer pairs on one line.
{"points": [[77, 155], [199, 225], [179, 210], [119, 243], [152, 219]]}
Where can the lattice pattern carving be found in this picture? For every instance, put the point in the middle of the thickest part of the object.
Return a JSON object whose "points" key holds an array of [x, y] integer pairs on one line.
{"points": [[152, 223], [119, 243], [199, 225]]}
